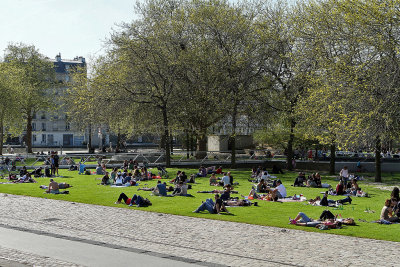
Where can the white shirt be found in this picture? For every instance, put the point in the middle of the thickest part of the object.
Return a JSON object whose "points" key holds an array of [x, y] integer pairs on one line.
{"points": [[282, 190], [226, 180], [344, 173]]}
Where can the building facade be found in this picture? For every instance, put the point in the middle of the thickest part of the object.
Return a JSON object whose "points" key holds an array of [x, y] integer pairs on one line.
{"points": [[52, 129]]}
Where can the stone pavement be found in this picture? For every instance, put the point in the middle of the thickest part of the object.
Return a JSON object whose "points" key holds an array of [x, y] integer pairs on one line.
{"points": [[192, 240]]}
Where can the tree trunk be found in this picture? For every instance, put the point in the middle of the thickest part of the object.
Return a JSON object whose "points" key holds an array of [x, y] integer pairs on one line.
{"points": [[166, 136], [28, 137], [201, 144], [171, 139], [118, 145], [332, 159], [192, 142], [90, 148], [378, 174], [187, 145], [233, 136], [289, 156], [1, 135]]}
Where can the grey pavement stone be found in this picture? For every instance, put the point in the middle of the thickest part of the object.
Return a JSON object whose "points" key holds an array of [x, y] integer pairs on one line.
{"points": [[189, 239]]}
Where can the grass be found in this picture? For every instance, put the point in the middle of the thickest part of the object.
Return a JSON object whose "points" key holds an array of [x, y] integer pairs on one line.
{"points": [[86, 190]]}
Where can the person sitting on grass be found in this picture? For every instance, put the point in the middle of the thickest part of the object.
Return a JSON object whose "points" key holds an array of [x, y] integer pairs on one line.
{"points": [[26, 179], [180, 189], [219, 170], [160, 189], [226, 195], [317, 179], [301, 178], [127, 178], [279, 191], [114, 174], [105, 180], [354, 187], [225, 180], [37, 172], [119, 179], [99, 170], [202, 172], [387, 211], [213, 208], [213, 179], [135, 200], [340, 188], [262, 187], [53, 187]]}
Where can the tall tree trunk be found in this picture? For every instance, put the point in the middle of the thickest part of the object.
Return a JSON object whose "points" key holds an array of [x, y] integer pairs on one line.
{"points": [[118, 145], [232, 138], [289, 156], [187, 144], [192, 142], [1, 134], [202, 144], [332, 159], [378, 148], [28, 137], [171, 139], [90, 148], [166, 136]]}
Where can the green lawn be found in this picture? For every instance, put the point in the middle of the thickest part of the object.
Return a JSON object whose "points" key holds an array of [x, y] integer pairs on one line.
{"points": [[86, 190]]}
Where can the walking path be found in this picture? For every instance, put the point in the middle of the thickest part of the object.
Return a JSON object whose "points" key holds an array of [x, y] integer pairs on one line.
{"points": [[181, 239]]}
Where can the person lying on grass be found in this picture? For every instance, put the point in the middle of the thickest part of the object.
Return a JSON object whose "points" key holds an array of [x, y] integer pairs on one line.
{"points": [[327, 219], [211, 207], [216, 191], [235, 202], [25, 179], [135, 200]]}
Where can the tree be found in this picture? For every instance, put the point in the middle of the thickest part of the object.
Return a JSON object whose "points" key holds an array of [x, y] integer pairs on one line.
{"points": [[10, 94], [356, 46], [39, 74], [284, 66]]}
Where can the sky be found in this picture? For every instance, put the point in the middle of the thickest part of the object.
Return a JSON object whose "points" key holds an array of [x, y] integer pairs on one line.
{"points": [[70, 27]]}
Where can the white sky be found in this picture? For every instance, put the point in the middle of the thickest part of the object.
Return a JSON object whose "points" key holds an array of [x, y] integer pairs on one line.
{"points": [[71, 27]]}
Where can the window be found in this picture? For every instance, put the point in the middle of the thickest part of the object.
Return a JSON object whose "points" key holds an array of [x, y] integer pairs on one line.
{"points": [[55, 127], [43, 117], [43, 126], [43, 139], [67, 126], [34, 116], [34, 138], [33, 126]]}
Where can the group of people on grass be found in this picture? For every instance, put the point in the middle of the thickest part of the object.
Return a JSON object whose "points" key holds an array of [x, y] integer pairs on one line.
{"points": [[266, 188]]}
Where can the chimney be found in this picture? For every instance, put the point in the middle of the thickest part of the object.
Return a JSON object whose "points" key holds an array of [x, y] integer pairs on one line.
{"points": [[58, 57]]}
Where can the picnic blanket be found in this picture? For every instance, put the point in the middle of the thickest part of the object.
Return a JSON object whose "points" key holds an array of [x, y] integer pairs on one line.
{"points": [[290, 199]]}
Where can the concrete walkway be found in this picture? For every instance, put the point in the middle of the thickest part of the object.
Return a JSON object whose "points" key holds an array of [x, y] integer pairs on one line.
{"points": [[175, 238]]}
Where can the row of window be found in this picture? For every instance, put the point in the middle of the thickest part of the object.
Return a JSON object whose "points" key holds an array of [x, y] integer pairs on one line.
{"points": [[55, 127], [43, 117]]}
